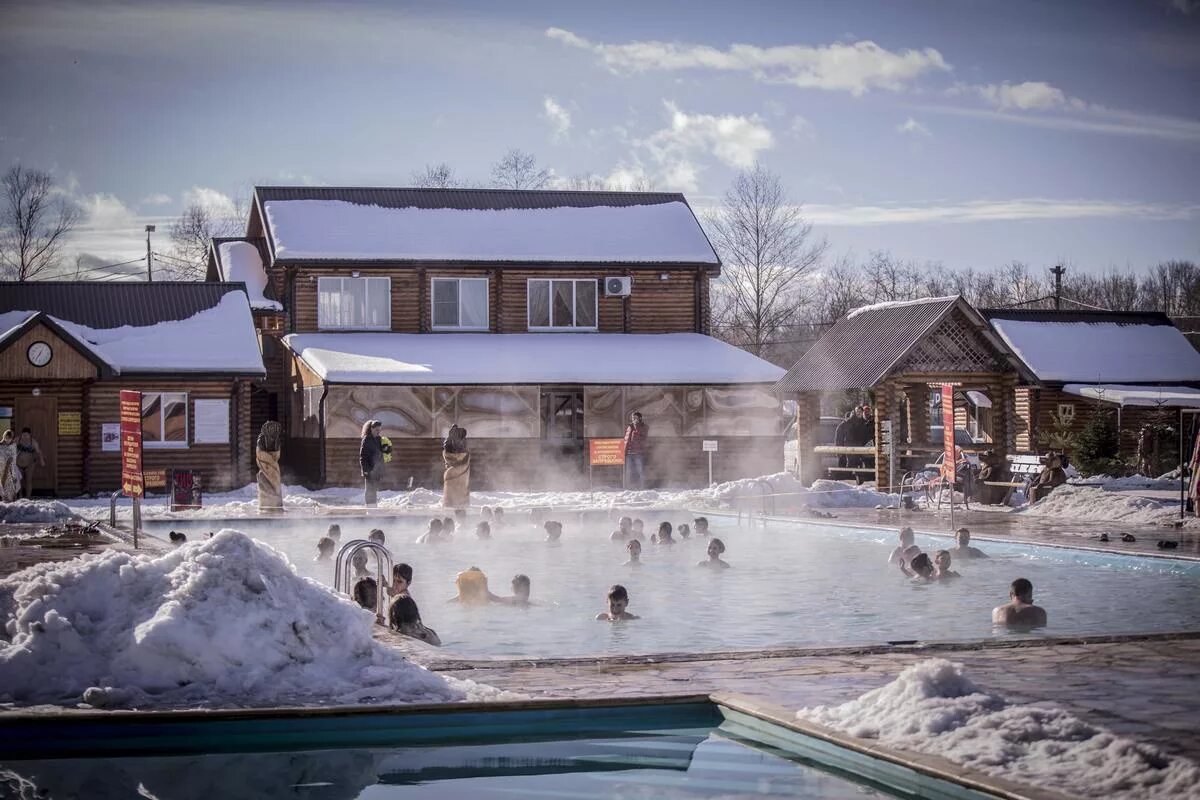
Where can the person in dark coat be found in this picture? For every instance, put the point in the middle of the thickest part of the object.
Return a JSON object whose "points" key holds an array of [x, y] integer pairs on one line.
{"points": [[841, 435], [370, 459]]}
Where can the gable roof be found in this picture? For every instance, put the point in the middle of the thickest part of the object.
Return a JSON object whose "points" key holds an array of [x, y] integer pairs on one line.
{"points": [[141, 328], [398, 225], [239, 259], [1118, 347]]}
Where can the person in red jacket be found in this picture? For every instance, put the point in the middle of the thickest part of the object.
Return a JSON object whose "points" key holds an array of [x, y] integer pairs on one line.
{"points": [[635, 450]]}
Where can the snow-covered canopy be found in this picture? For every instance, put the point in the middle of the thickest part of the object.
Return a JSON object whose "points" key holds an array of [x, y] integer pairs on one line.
{"points": [[1091, 352], [1153, 396], [221, 339], [484, 359], [241, 261], [656, 233]]}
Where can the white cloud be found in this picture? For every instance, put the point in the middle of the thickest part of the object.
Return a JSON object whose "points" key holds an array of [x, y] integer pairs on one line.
{"points": [[157, 199], [856, 68], [1030, 95], [733, 139], [558, 117], [106, 211], [997, 211], [217, 202], [911, 127], [1098, 120], [802, 128]]}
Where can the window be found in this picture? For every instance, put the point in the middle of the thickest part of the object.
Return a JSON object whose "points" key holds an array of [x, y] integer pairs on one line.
{"points": [[1066, 410], [164, 419], [460, 304], [354, 303], [562, 304]]}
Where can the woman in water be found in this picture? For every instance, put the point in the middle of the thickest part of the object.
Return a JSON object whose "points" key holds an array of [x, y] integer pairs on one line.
{"points": [[635, 553], [715, 548], [325, 547], [433, 535], [403, 614], [365, 590], [921, 568], [618, 601], [664, 534]]}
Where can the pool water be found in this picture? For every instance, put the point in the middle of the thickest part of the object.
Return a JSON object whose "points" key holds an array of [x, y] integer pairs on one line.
{"points": [[791, 584]]}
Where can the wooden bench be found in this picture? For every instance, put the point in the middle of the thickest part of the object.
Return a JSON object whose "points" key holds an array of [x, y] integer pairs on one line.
{"points": [[1027, 465]]}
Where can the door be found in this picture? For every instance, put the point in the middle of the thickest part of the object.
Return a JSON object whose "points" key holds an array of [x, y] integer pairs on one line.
{"points": [[40, 415], [563, 444]]}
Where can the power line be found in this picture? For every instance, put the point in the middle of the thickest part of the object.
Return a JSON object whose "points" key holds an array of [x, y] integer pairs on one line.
{"points": [[100, 268]]}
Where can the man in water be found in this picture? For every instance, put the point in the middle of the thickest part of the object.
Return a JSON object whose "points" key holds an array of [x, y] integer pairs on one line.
{"points": [[403, 614], [483, 530], [635, 553], [334, 532], [906, 541], [433, 535], [376, 536], [325, 547], [941, 563], [520, 592], [1020, 612], [639, 529], [624, 530], [685, 531], [618, 601], [962, 546], [715, 548], [553, 531], [701, 524]]}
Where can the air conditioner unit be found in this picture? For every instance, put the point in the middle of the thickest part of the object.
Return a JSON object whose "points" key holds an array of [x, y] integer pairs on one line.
{"points": [[618, 287]]}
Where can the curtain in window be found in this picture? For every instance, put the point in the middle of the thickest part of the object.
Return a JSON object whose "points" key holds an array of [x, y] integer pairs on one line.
{"points": [[585, 304], [564, 304], [445, 303], [379, 302], [539, 304], [473, 303]]}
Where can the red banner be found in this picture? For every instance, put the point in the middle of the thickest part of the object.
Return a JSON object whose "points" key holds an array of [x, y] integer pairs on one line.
{"points": [[606, 452], [131, 444], [948, 458]]}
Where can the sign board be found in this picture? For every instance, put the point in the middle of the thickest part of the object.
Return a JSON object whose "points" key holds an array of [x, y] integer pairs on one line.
{"points": [[70, 423], [185, 489], [606, 452], [211, 421], [155, 479], [131, 443], [110, 437], [710, 446], [948, 465]]}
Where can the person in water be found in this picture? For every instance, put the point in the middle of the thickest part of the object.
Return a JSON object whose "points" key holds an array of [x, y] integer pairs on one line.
{"points": [[635, 553], [325, 547], [618, 602], [664, 534], [921, 568], [639, 529], [941, 563], [365, 590], [334, 532], [433, 535], [906, 559], [497, 517], [906, 540], [472, 588], [624, 530], [449, 526], [1019, 611], [403, 614], [483, 530], [520, 592], [685, 530], [715, 548], [701, 524], [553, 530], [962, 546], [376, 536]]}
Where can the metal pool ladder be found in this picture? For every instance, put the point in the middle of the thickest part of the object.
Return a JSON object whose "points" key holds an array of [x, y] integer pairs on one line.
{"points": [[344, 565]]}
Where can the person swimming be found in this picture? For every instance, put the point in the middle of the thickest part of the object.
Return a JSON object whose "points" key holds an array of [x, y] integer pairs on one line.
{"points": [[635, 553], [685, 530], [701, 524], [714, 561], [483, 530], [403, 614], [921, 568], [941, 563], [618, 602], [334, 532], [1020, 612], [962, 546], [906, 558], [376, 536], [553, 530], [325, 547], [520, 592], [433, 535], [472, 586], [365, 590], [664, 534], [906, 540], [624, 530]]}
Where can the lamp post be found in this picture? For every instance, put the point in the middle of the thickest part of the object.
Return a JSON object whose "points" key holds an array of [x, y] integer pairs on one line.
{"points": [[149, 257]]}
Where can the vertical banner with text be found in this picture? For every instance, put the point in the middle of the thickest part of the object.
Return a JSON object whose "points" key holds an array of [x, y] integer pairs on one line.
{"points": [[948, 459], [131, 443]]}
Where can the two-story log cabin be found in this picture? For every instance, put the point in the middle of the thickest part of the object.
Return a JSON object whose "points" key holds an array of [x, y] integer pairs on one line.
{"points": [[535, 319]]}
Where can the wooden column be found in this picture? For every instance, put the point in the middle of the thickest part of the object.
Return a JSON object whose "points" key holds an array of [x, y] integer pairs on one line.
{"points": [[808, 420], [886, 408], [918, 413]]}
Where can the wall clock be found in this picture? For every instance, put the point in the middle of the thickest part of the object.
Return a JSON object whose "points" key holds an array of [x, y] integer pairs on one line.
{"points": [[39, 354]]}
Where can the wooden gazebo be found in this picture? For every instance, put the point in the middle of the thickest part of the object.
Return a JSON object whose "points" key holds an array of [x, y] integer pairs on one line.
{"points": [[901, 352]]}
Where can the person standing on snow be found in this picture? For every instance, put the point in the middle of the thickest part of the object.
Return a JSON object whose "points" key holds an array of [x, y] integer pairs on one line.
{"points": [[371, 453], [635, 450], [456, 480]]}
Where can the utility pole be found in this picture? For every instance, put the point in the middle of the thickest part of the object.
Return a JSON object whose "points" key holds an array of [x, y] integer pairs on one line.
{"points": [[149, 256], [1058, 271]]}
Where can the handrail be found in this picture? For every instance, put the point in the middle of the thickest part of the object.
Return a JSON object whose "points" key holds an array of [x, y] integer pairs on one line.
{"points": [[344, 563], [112, 508]]}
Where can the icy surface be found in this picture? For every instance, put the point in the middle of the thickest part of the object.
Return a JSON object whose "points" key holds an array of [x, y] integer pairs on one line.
{"points": [[243, 262], [1094, 352], [468, 358], [854, 312], [932, 707], [34, 511], [220, 622], [335, 229]]}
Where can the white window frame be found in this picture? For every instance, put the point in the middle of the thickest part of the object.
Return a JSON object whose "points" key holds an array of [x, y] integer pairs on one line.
{"points": [[550, 299], [1065, 411], [382, 280], [161, 444], [487, 290]]}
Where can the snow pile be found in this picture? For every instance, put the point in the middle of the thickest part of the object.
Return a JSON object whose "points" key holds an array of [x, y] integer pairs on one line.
{"points": [[1111, 484], [242, 262], [1096, 503], [226, 621], [932, 707], [34, 511]]}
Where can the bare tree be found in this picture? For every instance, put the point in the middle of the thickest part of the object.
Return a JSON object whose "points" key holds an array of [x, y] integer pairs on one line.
{"points": [[35, 221], [437, 176], [192, 234], [519, 170], [767, 249], [587, 182]]}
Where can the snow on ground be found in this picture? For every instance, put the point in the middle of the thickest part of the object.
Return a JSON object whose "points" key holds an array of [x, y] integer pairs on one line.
{"points": [[222, 622], [34, 511], [932, 707], [1099, 503]]}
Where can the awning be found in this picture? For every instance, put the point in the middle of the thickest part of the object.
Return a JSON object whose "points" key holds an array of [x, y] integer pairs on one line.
{"points": [[1152, 396], [979, 399]]}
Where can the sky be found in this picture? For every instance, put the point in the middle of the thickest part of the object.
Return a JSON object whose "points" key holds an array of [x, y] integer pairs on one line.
{"points": [[967, 133]]}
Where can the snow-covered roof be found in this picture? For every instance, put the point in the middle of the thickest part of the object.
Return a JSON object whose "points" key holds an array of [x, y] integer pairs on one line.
{"points": [[519, 358], [221, 339], [1076, 351], [10, 321], [854, 312], [241, 261], [1153, 396], [323, 229]]}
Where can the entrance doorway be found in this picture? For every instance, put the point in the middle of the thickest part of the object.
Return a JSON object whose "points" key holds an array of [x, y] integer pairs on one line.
{"points": [[563, 443], [40, 415]]}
